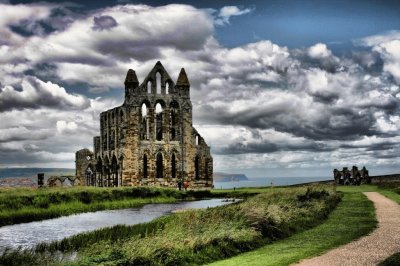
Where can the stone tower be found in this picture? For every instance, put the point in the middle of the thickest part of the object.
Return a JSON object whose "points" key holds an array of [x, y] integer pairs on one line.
{"points": [[149, 140]]}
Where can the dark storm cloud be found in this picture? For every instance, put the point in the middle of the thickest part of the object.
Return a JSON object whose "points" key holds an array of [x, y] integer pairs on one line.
{"points": [[43, 71], [386, 155], [269, 147], [22, 134], [104, 23], [369, 60], [329, 63], [126, 50], [335, 124], [380, 146]]}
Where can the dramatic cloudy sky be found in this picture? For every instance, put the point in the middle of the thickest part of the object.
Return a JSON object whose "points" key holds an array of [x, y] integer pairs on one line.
{"points": [[278, 87]]}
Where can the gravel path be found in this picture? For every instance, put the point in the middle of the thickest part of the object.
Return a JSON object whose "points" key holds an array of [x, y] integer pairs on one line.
{"points": [[370, 249]]}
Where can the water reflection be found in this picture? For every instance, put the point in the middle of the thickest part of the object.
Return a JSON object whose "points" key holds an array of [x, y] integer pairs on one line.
{"points": [[28, 235]]}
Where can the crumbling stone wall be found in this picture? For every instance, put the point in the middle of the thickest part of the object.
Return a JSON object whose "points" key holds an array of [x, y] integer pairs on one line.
{"points": [[84, 162], [149, 140]]}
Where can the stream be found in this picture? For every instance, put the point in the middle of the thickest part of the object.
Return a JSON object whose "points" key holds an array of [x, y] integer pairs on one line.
{"points": [[27, 235]]}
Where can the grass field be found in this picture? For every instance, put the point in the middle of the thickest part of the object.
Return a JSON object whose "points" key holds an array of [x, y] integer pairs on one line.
{"points": [[273, 222], [392, 191], [194, 237], [353, 217], [26, 205]]}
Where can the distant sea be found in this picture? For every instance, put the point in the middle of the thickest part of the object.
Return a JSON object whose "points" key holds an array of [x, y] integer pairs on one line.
{"points": [[268, 181], [252, 182], [32, 172]]}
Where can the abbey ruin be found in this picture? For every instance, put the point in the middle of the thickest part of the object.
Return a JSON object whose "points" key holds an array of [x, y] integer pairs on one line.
{"points": [[149, 140]]}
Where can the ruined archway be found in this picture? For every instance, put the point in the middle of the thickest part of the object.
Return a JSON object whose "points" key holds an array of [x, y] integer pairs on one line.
{"points": [[159, 166], [106, 172], [144, 120], [173, 165], [99, 173], [174, 121], [114, 172], [90, 175], [159, 121], [197, 167], [149, 85], [145, 166], [158, 82]]}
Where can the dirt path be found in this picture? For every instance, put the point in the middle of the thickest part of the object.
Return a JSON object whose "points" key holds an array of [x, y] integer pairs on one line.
{"points": [[370, 249]]}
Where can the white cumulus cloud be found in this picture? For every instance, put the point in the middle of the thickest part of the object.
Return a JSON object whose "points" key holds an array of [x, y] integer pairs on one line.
{"points": [[226, 12], [319, 50]]}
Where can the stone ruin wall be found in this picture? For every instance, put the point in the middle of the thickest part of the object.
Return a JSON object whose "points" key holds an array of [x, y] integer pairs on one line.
{"points": [[125, 139]]}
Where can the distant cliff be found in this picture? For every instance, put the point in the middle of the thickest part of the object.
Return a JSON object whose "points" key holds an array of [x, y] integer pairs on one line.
{"points": [[224, 177]]}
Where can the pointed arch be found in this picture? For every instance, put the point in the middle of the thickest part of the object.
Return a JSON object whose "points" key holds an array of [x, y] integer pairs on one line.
{"points": [[173, 166], [89, 175], [144, 120], [99, 173], [197, 167], [159, 119], [106, 172], [121, 116], [114, 172], [149, 85], [158, 82], [174, 120], [120, 169], [159, 165]]}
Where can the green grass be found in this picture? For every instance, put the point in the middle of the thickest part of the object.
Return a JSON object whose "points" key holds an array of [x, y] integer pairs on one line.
{"points": [[273, 222], [26, 205], [390, 190], [195, 237], [352, 218], [393, 260]]}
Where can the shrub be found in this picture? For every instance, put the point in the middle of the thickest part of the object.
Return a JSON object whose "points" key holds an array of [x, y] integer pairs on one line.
{"points": [[41, 202]]}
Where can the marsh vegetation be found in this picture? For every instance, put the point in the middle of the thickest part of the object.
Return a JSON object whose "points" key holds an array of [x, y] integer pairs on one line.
{"points": [[26, 205], [192, 237]]}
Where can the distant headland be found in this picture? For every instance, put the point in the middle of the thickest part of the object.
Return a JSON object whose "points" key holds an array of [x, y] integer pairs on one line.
{"points": [[225, 177]]}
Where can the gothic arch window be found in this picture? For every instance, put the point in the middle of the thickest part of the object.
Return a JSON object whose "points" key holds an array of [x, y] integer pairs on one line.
{"points": [[121, 116], [149, 86], [197, 140], [106, 171], [144, 122], [99, 172], [120, 169], [114, 172], [159, 166], [145, 167], [158, 82], [173, 166], [167, 87], [159, 121], [197, 167], [112, 140], [174, 125], [89, 174], [105, 139]]}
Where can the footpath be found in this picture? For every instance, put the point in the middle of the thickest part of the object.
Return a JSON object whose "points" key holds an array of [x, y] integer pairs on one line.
{"points": [[373, 248]]}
